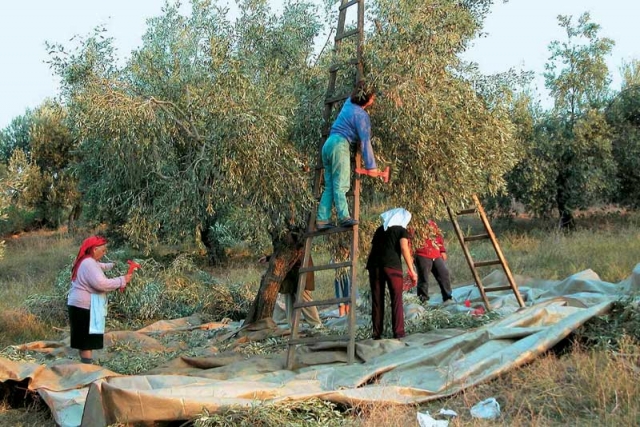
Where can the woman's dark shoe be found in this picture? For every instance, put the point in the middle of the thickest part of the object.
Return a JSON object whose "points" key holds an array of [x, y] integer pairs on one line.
{"points": [[348, 222], [320, 226]]}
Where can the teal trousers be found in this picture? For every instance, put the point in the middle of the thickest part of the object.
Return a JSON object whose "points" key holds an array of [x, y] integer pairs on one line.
{"points": [[337, 178]]}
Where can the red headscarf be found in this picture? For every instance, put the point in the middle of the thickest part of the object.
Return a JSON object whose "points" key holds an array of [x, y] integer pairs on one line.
{"points": [[85, 252]]}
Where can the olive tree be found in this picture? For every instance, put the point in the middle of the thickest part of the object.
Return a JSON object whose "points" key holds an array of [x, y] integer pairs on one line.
{"points": [[623, 115], [568, 160], [440, 132], [206, 117], [212, 116], [580, 147], [15, 136], [39, 178]]}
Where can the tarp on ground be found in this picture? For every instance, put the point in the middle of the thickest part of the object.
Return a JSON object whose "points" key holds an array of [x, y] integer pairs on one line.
{"points": [[416, 369]]}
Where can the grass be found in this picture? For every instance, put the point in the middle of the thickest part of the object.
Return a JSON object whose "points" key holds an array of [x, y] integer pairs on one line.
{"points": [[608, 244], [585, 387], [594, 382], [29, 267]]}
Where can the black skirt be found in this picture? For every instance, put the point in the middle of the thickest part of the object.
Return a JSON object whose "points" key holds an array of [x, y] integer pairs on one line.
{"points": [[81, 339]]}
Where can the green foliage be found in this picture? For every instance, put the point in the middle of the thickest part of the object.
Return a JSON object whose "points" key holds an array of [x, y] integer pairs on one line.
{"points": [[583, 81], [630, 74], [129, 359], [295, 413], [211, 117], [568, 160], [16, 136], [200, 119], [156, 293], [210, 113], [3, 217], [623, 115], [37, 176], [439, 133], [611, 330], [16, 219]]}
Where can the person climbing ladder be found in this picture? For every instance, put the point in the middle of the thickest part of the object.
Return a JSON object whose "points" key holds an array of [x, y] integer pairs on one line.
{"points": [[352, 124]]}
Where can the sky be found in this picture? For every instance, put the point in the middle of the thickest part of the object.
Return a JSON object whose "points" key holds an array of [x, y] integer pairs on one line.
{"points": [[518, 35]]}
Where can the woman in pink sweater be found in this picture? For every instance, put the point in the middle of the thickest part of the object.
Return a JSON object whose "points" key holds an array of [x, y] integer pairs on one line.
{"points": [[87, 277]]}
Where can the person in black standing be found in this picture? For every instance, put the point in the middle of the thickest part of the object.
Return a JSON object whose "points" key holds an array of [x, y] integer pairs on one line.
{"points": [[390, 241]]}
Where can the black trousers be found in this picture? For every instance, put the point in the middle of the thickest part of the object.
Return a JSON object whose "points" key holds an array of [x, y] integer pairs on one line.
{"points": [[378, 277], [439, 270]]}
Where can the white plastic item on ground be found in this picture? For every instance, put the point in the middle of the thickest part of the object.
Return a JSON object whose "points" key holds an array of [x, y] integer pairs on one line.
{"points": [[487, 409], [448, 412], [426, 420]]}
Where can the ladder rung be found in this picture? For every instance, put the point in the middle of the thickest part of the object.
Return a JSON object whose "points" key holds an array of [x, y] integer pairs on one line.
{"points": [[336, 67], [476, 237], [337, 98], [486, 263], [349, 33], [312, 340], [497, 288], [325, 267], [466, 211], [330, 231], [331, 301], [346, 5]]}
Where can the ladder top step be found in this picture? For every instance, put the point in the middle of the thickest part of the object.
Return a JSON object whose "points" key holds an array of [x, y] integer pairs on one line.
{"points": [[486, 263], [349, 4], [313, 340], [476, 237], [467, 211]]}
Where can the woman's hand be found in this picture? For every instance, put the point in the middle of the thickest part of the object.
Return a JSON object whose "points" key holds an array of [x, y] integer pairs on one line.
{"points": [[413, 275], [127, 279]]}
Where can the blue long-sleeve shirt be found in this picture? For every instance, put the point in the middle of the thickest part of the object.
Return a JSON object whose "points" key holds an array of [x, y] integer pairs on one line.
{"points": [[353, 123]]}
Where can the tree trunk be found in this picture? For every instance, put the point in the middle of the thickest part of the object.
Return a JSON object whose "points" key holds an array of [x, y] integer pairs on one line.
{"points": [[215, 253], [567, 221], [286, 253], [73, 218]]}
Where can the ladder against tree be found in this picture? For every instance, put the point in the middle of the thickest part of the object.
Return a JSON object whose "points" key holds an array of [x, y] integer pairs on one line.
{"points": [[487, 235], [333, 100]]}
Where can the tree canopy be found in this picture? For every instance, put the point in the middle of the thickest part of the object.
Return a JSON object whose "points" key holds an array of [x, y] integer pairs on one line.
{"points": [[568, 162], [212, 117]]}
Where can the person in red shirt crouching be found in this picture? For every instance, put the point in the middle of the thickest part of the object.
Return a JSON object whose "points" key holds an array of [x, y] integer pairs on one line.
{"points": [[430, 258]]}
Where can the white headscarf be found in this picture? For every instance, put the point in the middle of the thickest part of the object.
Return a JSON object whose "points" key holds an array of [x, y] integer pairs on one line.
{"points": [[397, 216]]}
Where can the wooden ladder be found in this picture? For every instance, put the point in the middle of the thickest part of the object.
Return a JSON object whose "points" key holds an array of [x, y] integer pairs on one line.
{"points": [[473, 265], [333, 100]]}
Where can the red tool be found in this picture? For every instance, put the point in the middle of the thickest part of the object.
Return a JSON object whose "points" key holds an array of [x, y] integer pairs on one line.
{"points": [[133, 266], [384, 174]]}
